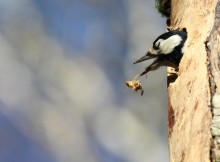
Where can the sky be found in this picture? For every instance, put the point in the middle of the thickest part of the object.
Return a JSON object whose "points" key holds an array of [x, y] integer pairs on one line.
{"points": [[63, 69]]}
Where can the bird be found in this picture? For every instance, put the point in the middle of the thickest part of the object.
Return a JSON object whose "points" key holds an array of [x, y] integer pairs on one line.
{"points": [[167, 50]]}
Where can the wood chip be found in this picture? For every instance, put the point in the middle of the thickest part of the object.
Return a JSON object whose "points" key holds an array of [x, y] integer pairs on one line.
{"points": [[135, 85]]}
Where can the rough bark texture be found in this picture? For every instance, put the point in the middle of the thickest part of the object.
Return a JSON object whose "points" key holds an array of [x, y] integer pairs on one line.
{"points": [[213, 50], [190, 113]]}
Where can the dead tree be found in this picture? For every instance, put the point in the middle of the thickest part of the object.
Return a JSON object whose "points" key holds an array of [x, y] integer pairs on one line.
{"points": [[194, 97]]}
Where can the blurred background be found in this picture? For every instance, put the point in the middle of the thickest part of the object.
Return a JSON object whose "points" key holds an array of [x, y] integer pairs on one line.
{"points": [[63, 67]]}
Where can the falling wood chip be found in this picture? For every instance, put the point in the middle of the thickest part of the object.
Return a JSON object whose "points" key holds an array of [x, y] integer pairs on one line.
{"points": [[135, 85]]}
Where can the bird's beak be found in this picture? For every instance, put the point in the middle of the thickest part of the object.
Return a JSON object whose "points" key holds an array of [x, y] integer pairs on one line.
{"points": [[146, 57]]}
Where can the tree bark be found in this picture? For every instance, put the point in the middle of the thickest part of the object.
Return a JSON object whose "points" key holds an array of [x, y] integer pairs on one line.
{"points": [[194, 115]]}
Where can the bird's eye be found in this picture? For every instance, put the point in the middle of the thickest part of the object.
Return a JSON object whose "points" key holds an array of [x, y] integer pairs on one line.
{"points": [[157, 47]]}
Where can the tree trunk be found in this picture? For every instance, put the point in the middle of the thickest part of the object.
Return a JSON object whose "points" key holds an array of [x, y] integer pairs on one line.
{"points": [[194, 97]]}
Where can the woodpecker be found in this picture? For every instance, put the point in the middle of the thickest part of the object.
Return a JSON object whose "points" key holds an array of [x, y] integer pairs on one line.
{"points": [[167, 50]]}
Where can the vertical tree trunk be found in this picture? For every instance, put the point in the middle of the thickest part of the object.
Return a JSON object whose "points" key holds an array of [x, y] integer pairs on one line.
{"points": [[194, 121]]}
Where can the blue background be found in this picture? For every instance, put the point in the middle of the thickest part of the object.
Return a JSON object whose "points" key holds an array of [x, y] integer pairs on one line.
{"points": [[63, 69]]}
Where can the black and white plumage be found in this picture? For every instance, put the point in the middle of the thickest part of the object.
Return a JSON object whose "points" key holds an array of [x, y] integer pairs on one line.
{"points": [[167, 50]]}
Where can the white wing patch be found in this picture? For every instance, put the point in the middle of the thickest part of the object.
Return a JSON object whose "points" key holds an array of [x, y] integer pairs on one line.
{"points": [[167, 45]]}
